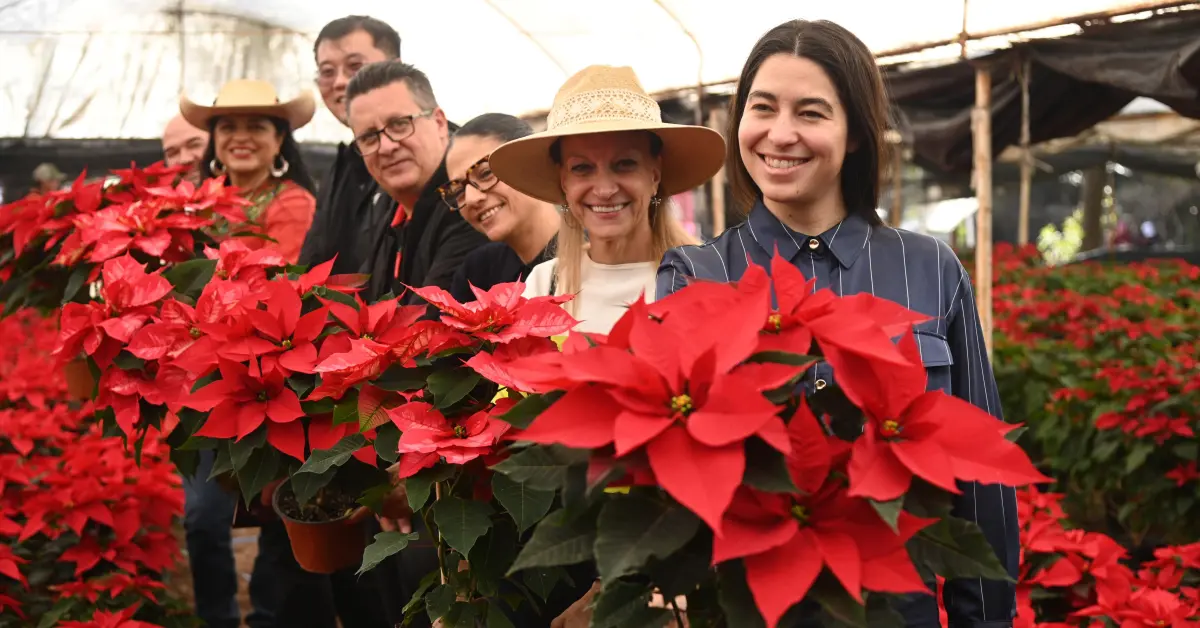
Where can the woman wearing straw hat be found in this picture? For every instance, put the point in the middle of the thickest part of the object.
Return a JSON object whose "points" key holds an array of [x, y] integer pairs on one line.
{"points": [[609, 163], [251, 143]]}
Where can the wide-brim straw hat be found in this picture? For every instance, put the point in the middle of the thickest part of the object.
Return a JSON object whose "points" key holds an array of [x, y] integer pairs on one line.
{"points": [[251, 98], [605, 99]]}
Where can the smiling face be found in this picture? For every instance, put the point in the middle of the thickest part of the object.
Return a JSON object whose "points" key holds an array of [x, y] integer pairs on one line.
{"points": [[498, 212], [183, 145], [608, 180], [793, 135], [247, 145], [401, 167], [338, 60]]}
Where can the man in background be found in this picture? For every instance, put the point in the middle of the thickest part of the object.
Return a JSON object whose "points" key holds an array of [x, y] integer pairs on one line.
{"points": [[347, 223], [183, 145], [47, 178], [401, 135]]}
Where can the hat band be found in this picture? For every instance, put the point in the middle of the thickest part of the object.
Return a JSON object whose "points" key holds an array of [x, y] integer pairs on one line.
{"points": [[604, 104]]}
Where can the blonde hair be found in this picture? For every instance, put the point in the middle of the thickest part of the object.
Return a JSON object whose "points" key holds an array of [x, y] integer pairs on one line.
{"points": [[665, 231]]}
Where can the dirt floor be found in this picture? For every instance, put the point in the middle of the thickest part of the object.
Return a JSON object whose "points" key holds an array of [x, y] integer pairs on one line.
{"points": [[245, 549]]}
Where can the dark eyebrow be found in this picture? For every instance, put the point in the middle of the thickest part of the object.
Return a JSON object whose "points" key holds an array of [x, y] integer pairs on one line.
{"points": [[819, 103], [763, 95]]}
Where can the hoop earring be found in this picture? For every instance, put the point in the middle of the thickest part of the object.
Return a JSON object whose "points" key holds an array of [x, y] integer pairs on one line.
{"points": [[216, 167], [279, 171]]}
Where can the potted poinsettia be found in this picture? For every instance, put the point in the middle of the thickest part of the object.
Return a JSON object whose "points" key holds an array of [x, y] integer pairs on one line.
{"points": [[52, 246], [684, 460], [442, 421]]}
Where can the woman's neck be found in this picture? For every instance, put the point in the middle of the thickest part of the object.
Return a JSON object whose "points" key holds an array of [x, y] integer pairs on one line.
{"points": [[638, 247], [811, 219], [539, 229], [248, 182]]}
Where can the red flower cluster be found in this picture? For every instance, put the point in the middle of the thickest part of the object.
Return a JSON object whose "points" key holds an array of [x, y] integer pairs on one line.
{"points": [[1101, 360], [1091, 573], [678, 387], [70, 496]]}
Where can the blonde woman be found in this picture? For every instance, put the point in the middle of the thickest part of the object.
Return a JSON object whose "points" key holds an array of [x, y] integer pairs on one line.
{"points": [[609, 163]]}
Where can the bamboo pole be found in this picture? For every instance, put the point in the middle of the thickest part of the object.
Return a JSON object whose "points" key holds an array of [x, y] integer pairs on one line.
{"points": [[897, 210], [716, 120], [1026, 158], [981, 123]]}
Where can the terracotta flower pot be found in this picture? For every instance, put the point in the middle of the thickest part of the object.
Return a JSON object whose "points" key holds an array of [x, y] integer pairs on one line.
{"points": [[322, 547], [80, 382]]}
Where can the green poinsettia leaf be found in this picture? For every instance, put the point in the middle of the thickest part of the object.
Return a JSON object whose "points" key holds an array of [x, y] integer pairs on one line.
{"points": [[632, 529], [462, 522], [556, 542], [528, 409], [323, 460], [889, 511], [542, 580], [492, 555], [420, 486], [258, 472], [306, 485], [449, 386], [240, 450], [386, 544], [526, 504], [956, 548], [190, 277], [539, 467]]}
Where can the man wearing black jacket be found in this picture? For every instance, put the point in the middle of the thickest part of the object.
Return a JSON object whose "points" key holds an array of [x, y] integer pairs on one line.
{"points": [[402, 234], [402, 136]]}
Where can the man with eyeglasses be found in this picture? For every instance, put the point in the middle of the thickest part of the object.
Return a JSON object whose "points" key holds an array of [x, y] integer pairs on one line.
{"points": [[402, 136], [349, 219]]}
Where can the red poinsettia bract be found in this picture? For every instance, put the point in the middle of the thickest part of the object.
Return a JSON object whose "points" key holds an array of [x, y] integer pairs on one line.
{"points": [[102, 328], [786, 540], [427, 436], [675, 391], [240, 402], [932, 435], [501, 314]]}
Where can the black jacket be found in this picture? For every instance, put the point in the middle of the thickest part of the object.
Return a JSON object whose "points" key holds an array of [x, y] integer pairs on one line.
{"points": [[353, 221], [344, 221], [432, 244]]}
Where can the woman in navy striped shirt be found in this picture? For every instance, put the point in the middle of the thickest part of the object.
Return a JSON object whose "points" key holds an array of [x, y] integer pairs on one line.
{"points": [[809, 118]]}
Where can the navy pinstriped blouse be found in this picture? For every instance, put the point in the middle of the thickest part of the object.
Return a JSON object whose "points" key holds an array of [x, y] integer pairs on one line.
{"points": [[922, 274]]}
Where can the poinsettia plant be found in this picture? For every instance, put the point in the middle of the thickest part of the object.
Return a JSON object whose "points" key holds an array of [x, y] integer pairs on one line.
{"points": [[52, 245], [679, 455], [419, 386]]}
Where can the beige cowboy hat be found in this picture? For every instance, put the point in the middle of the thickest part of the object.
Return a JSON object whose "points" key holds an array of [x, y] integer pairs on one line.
{"points": [[250, 97], [604, 99]]}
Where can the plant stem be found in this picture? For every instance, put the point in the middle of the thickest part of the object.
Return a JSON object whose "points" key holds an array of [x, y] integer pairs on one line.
{"points": [[675, 610], [437, 495]]}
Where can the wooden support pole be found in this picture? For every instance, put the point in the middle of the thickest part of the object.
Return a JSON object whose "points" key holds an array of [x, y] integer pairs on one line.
{"points": [[716, 120], [1026, 158], [981, 123], [897, 210]]}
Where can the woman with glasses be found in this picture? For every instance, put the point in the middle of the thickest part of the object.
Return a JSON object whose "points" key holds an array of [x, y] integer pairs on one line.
{"points": [[250, 143], [521, 228]]}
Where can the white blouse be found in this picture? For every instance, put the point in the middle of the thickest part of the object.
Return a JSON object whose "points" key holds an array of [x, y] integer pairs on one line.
{"points": [[605, 292]]}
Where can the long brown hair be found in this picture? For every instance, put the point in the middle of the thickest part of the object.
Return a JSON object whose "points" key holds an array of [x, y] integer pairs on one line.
{"points": [[852, 69]]}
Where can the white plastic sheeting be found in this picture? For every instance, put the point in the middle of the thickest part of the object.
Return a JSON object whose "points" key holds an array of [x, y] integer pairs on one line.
{"points": [[115, 68]]}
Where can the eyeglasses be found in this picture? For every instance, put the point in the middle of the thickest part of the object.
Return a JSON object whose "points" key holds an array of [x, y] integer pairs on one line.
{"points": [[397, 129], [479, 176]]}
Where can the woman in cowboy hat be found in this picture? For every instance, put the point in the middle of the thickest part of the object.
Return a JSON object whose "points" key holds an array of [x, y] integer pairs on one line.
{"points": [[610, 163], [251, 143]]}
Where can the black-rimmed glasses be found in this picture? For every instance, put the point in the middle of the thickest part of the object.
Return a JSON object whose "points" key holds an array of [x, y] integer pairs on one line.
{"points": [[479, 176], [397, 129]]}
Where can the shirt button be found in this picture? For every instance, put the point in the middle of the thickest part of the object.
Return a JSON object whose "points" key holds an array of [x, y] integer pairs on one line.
{"points": [[821, 384], [814, 244]]}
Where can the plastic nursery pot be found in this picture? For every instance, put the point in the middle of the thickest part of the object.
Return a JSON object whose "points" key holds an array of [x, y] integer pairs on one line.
{"points": [[80, 382], [325, 546]]}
